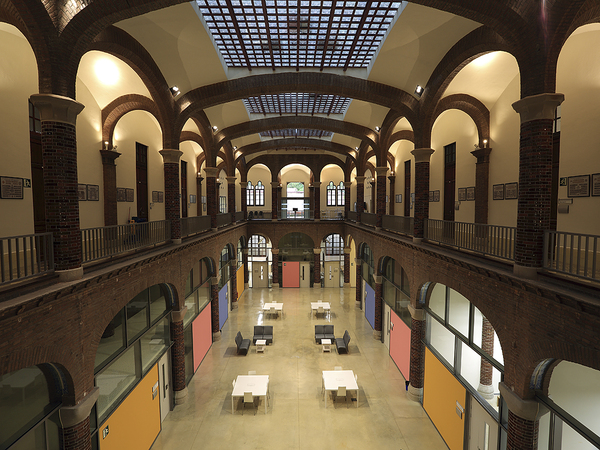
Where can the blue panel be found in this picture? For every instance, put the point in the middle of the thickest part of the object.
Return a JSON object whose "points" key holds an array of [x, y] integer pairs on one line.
{"points": [[370, 305], [223, 306]]}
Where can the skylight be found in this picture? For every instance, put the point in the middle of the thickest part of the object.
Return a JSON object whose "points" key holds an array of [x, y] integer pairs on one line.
{"points": [[297, 103], [296, 132]]}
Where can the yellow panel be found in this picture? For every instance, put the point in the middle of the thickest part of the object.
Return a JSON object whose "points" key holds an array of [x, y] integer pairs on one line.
{"points": [[240, 280], [441, 391], [136, 423]]}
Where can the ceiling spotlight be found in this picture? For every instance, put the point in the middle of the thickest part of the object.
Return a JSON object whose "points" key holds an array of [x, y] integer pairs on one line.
{"points": [[419, 90], [174, 90], [485, 141], [356, 148], [235, 147], [215, 128], [377, 129]]}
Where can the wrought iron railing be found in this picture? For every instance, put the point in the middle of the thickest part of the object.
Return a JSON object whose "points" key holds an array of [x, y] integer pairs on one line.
{"points": [[368, 218], [296, 214], [223, 219], [104, 242], [332, 214], [26, 256], [400, 224], [194, 225], [490, 240], [573, 254]]}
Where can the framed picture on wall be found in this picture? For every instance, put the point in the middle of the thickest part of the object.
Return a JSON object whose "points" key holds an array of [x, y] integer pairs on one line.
{"points": [[93, 192], [192, 198], [578, 186], [161, 197], [498, 192], [129, 194], [596, 184], [471, 193], [462, 194], [82, 192], [430, 196], [511, 191], [398, 198], [11, 187], [154, 196], [436, 195], [121, 196]]}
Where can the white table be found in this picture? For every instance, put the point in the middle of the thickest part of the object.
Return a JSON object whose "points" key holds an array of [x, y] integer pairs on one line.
{"points": [[260, 345], [277, 308], [326, 343], [333, 379], [314, 306], [257, 384]]}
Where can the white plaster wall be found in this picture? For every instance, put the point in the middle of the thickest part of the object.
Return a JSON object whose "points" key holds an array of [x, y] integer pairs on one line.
{"points": [[188, 149], [261, 173], [402, 153], [453, 126], [142, 127], [330, 173], [18, 80], [296, 175]]}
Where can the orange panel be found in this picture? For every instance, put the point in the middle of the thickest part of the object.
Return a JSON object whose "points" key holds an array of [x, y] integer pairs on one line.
{"points": [[136, 422], [240, 281], [441, 392]]}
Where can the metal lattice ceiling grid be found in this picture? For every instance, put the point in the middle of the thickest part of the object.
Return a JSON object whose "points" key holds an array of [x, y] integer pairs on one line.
{"points": [[296, 132], [297, 103]]}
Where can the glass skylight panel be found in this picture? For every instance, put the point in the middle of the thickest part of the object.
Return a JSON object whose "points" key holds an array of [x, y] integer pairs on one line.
{"points": [[291, 33], [297, 103], [296, 132]]}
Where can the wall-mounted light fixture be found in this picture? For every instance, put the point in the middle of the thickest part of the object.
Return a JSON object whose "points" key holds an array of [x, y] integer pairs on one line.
{"points": [[214, 128], [419, 90], [485, 143], [174, 91], [378, 129]]}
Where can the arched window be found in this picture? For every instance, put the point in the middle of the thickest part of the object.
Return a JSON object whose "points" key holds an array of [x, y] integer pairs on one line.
{"points": [[250, 194], [257, 246], [341, 194], [331, 197], [259, 194]]}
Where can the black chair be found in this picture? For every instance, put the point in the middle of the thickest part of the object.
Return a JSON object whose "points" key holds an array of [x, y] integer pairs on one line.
{"points": [[243, 345], [328, 332], [342, 343], [263, 332], [319, 333]]}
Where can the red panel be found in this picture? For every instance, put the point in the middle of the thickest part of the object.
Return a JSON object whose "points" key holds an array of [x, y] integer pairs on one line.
{"points": [[291, 274], [202, 335], [400, 344]]}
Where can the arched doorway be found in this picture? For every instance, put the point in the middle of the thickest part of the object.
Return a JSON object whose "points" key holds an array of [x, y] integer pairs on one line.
{"points": [[296, 259]]}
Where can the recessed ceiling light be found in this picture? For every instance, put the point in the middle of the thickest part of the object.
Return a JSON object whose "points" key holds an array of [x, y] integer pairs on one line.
{"points": [[377, 129], [419, 90]]}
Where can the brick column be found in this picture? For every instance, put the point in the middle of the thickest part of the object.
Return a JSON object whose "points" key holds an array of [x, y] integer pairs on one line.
{"points": [[59, 154], [347, 186], [523, 420], [275, 267], [75, 423], [311, 199], [486, 370], [378, 307], [482, 181], [534, 208], [231, 197], [234, 291], [422, 156], [358, 263], [178, 356], [199, 195], [360, 197], [274, 200], [214, 308], [417, 354], [172, 192], [109, 178], [243, 199], [347, 252], [246, 271], [212, 202], [317, 267], [392, 179], [380, 196], [317, 186]]}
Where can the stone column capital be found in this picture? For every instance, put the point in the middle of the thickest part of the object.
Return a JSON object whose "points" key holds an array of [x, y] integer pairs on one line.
{"points": [[538, 107], [177, 316], [275, 251], [244, 184], [392, 177], [360, 179], [214, 281], [317, 251], [316, 184], [416, 314], [245, 251], [347, 184], [211, 172], [231, 180], [275, 184], [170, 155], [482, 155], [347, 251], [378, 279], [73, 415], [525, 409], [422, 154], [109, 156], [199, 179], [381, 171], [56, 108]]}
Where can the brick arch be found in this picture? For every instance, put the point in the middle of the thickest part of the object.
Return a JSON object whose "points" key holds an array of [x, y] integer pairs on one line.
{"points": [[475, 109], [478, 42], [301, 122], [194, 137], [118, 43], [402, 135], [115, 110], [278, 83]]}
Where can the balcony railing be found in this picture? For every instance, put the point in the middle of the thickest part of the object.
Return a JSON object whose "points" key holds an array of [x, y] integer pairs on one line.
{"points": [[239, 216], [265, 215], [489, 240], [194, 225], [352, 216], [223, 219], [401, 224], [368, 218], [296, 214], [332, 214], [26, 256], [104, 242], [573, 254]]}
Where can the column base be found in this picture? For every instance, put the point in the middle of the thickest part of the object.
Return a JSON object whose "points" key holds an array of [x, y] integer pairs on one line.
{"points": [[234, 305], [347, 285], [176, 241], [530, 273], [417, 240], [486, 391], [216, 336], [273, 220], [358, 305], [377, 228], [275, 285], [246, 286], [69, 274], [214, 229], [377, 335], [180, 397], [415, 394]]}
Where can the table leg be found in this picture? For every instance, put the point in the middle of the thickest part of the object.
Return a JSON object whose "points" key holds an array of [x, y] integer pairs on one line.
{"points": [[232, 404], [357, 397], [266, 402]]}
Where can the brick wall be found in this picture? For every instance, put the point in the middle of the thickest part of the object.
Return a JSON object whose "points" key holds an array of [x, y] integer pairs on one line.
{"points": [[417, 353], [109, 178], [178, 355], [76, 437], [523, 433], [421, 198], [172, 201], [380, 199], [378, 306]]}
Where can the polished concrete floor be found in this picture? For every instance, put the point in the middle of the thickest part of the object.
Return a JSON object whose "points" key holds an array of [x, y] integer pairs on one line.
{"points": [[297, 417]]}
